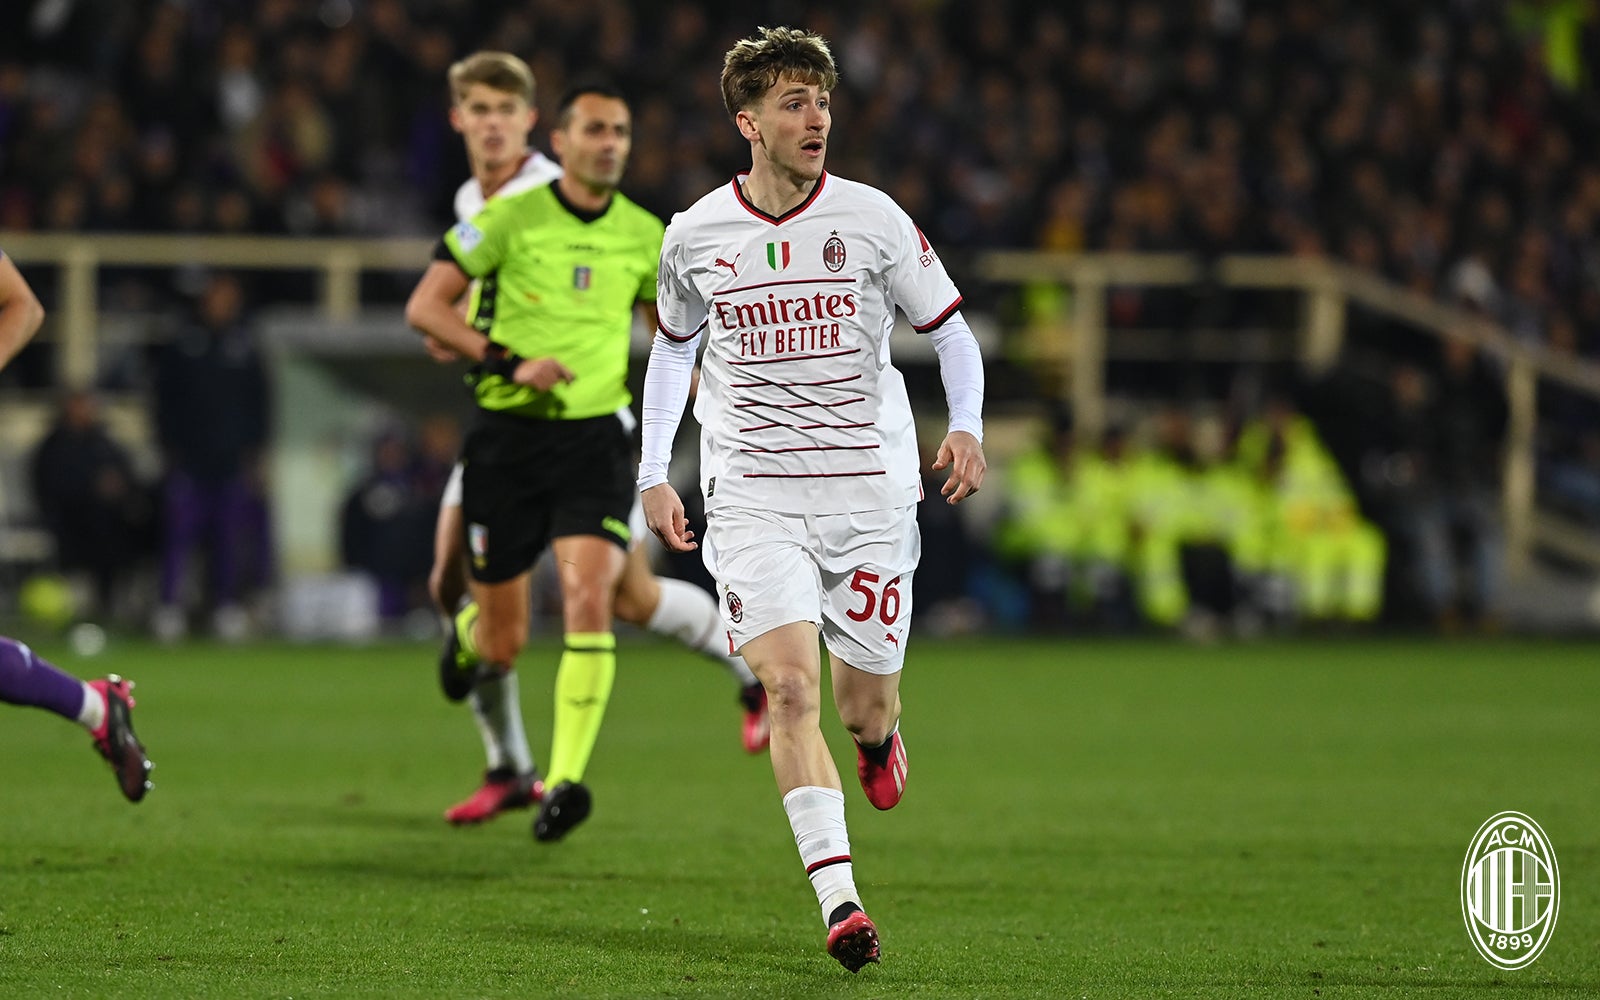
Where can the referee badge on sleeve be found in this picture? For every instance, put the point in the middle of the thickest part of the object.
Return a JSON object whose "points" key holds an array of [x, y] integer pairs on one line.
{"points": [[468, 236]]}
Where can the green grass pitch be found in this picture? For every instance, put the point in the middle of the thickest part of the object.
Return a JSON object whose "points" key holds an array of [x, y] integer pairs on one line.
{"points": [[1083, 819]]}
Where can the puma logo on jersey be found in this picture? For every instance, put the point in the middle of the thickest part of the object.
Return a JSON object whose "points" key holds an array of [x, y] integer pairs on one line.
{"points": [[732, 266], [890, 636]]}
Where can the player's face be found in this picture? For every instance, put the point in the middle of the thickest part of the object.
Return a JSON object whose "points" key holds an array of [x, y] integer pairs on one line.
{"points": [[494, 123], [594, 143], [790, 128]]}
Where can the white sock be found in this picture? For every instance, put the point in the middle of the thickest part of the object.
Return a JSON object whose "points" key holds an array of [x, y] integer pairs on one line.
{"points": [[497, 708], [817, 817], [689, 615], [93, 713]]}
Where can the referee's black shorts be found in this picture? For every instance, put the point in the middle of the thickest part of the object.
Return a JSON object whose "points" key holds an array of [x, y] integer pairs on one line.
{"points": [[528, 481]]}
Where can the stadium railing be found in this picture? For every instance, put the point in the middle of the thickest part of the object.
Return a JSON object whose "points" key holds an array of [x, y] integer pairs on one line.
{"points": [[1327, 291]]}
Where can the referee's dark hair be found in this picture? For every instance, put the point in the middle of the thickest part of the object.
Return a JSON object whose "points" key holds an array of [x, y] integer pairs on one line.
{"points": [[569, 97]]}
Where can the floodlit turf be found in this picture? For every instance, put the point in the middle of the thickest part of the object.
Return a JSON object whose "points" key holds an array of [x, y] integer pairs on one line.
{"points": [[1082, 819]]}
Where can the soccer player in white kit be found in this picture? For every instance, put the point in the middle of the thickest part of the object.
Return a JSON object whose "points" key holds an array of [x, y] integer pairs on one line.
{"points": [[492, 107], [809, 462]]}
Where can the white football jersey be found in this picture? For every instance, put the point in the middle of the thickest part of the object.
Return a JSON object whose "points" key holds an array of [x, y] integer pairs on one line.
{"points": [[536, 170], [800, 409]]}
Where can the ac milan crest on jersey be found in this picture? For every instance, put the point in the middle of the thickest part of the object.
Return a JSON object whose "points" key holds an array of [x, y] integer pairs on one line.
{"points": [[735, 608], [581, 277], [778, 255], [833, 253]]}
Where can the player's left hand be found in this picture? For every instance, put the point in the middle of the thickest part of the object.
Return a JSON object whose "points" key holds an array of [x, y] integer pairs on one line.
{"points": [[542, 373], [961, 453], [663, 513]]}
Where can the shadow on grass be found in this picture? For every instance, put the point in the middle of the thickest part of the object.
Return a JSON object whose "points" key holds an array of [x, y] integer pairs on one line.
{"points": [[356, 815], [414, 862], [691, 955], [1495, 986]]}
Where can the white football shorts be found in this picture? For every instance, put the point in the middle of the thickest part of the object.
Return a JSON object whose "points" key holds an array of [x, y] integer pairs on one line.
{"points": [[850, 574]]}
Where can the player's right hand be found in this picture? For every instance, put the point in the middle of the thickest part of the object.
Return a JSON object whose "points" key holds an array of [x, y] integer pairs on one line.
{"points": [[663, 512], [438, 350], [542, 373]]}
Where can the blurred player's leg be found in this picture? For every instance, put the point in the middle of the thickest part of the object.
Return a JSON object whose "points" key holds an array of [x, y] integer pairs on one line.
{"points": [[102, 707], [26, 679], [682, 611], [459, 662], [511, 781], [447, 579], [483, 643], [756, 732]]}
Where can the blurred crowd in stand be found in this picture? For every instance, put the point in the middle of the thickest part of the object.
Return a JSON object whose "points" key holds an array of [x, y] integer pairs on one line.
{"points": [[1246, 521], [386, 522], [1449, 147], [201, 526]]}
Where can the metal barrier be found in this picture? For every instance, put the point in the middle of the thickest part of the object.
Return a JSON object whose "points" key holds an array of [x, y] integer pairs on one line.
{"points": [[340, 262], [1328, 288]]}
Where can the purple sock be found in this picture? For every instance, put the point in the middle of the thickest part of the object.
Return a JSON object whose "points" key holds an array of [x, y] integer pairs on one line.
{"points": [[25, 679]]}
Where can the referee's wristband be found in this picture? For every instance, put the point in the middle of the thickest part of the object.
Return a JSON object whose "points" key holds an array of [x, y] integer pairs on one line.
{"points": [[499, 360]]}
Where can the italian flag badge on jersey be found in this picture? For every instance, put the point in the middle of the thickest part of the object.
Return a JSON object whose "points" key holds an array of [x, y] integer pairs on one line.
{"points": [[778, 255]]}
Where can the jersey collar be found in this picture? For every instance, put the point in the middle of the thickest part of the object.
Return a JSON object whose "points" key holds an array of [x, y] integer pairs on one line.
{"points": [[582, 215], [738, 193], [522, 165]]}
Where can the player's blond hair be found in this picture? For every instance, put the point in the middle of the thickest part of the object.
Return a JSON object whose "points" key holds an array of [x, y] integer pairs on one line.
{"points": [[754, 64], [500, 71]]}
